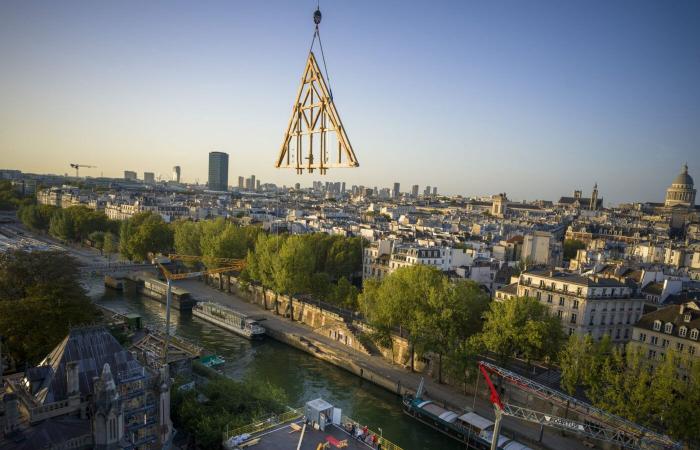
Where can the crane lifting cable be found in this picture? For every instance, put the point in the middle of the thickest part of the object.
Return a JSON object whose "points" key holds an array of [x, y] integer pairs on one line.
{"points": [[315, 138]]}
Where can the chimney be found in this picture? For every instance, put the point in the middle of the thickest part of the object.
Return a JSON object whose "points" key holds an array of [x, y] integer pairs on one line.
{"points": [[73, 378]]}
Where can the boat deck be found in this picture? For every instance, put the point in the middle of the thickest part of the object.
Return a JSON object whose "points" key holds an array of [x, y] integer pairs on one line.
{"points": [[284, 438]]}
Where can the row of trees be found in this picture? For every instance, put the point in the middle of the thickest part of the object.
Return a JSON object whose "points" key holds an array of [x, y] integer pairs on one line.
{"points": [[626, 383], [39, 292], [75, 223], [318, 264]]}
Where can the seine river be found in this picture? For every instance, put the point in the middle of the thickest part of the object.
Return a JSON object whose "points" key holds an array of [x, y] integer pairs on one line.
{"points": [[302, 376]]}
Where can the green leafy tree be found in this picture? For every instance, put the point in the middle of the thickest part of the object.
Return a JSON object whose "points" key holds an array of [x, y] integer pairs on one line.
{"points": [[575, 361], [62, 225], [97, 238], [41, 292], [110, 245], [36, 217], [187, 237], [522, 326], [144, 233]]}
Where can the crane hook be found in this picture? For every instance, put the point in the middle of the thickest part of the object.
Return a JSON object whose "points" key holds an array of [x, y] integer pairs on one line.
{"points": [[317, 17]]}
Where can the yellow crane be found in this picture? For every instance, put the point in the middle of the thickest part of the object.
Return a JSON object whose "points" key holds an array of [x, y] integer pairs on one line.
{"points": [[228, 265]]}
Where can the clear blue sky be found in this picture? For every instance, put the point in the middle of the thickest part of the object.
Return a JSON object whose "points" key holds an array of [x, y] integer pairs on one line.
{"points": [[532, 98]]}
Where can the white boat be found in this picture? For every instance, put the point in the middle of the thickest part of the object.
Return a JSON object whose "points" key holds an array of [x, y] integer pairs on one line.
{"points": [[229, 319]]}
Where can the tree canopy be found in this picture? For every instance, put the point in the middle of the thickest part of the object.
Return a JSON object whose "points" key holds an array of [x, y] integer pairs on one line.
{"points": [[39, 291], [437, 315], [144, 233], [522, 326]]}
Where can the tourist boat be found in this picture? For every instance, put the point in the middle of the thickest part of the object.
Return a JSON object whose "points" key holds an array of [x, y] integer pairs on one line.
{"points": [[180, 298], [229, 319]]}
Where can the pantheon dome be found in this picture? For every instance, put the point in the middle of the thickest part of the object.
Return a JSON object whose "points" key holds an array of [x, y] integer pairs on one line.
{"points": [[681, 191]]}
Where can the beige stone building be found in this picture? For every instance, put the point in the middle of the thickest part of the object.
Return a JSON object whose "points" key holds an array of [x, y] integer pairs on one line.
{"points": [[674, 327], [681, 192], [584, 304]]}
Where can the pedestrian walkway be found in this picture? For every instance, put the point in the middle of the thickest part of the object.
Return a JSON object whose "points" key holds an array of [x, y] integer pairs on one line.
{"points": [[439, 393]]}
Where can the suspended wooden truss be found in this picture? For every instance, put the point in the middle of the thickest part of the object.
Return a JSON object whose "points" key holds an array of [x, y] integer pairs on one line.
{"points": [[315, 137]]}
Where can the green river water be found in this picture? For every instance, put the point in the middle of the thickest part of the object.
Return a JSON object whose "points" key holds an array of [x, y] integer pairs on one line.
{"points": [[302, 376]]}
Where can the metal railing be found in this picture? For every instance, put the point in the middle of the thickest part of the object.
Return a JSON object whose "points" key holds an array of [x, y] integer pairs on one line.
{"points": [[264, 423], [386, 444]]}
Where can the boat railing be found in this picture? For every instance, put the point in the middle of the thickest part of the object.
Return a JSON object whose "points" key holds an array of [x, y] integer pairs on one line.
{"points": [[386, 444]]}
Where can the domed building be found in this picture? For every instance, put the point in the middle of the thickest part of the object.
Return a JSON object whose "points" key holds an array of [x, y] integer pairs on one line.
{"points": [[681, 192]]}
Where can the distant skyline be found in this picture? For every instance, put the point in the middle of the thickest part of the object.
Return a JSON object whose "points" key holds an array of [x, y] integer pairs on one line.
{"points": [[532, 99]]}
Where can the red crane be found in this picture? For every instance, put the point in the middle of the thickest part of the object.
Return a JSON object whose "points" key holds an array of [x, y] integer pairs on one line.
{"points": [[599, 424]]}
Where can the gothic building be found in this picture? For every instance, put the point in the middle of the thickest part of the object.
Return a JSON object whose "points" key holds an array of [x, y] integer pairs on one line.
{"points": [[88, 393], [681, 192], [578, 202]]}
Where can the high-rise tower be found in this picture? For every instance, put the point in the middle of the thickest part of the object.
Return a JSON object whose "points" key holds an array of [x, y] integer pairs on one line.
{"points": [[218, 171]]}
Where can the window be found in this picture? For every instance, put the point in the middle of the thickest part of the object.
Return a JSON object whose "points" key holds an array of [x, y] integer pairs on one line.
{"points": [[566, 288], [679, 346], [642, 337], [664, 343], [694, 334], [687, 317], [682, 331], [652, 354], [617, 334], [657, 323], [560, 314], [561, 301], [578, 291], [575, 304], [538, 294], [668, 328], [573, 318], [571, 331], [549, 298], [541, 283], [691, 349], [527, 293], [654, 340], [627, 333], [605, 291]]}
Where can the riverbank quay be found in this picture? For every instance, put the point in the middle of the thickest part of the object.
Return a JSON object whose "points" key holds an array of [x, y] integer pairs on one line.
{"points": [[377, 370]]}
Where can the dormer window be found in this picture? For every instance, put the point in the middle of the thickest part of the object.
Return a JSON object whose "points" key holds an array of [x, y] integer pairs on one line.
{"points": [[657, 325], [687, 317], [694, 334], [668, 328], [682, 331]]}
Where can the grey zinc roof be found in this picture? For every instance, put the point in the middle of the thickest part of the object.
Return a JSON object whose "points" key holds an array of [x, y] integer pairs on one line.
{"points": [[91, 347], [672, 314]]}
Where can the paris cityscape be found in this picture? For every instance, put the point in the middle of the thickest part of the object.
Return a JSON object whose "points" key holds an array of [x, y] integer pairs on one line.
{"points": [[458, 225]]}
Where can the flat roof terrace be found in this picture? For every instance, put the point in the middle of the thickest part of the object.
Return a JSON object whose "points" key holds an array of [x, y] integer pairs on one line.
{"points": [[286, 436]]}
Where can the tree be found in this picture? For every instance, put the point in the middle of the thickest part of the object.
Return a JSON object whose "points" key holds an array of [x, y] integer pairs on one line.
{"points": [[62, 225], [39, 291], [439, 316], [575, 361], [144, 233], [187, 237], [110, 245], [522, 326], [36, 217], [97, 238], [571, 247]]}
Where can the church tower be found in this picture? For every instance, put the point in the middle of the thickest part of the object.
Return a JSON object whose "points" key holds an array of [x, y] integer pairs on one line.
{"points": [[594, 198], [108, 416]]}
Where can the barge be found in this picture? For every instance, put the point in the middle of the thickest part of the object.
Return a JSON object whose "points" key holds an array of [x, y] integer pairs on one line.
{"points": [[180, 299], [229, 319], [469, 428]]}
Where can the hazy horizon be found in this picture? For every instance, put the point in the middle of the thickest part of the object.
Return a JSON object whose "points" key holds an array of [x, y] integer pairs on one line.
{"points": [[534, 100]]}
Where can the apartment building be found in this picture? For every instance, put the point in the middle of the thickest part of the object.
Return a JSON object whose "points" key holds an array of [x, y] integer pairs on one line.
{"points": [[673, 327], [585, 304]]}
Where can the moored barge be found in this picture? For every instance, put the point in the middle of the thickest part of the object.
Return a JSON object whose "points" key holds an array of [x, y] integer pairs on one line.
{"points": [[229, 319]]}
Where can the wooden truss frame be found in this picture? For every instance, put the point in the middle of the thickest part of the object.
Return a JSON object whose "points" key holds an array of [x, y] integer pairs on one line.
{"points": [[314, 116]]}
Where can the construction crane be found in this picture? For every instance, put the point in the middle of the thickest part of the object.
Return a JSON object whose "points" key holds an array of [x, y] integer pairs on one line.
{"points": [[602, 426], [78, 166], [229, 265]]}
